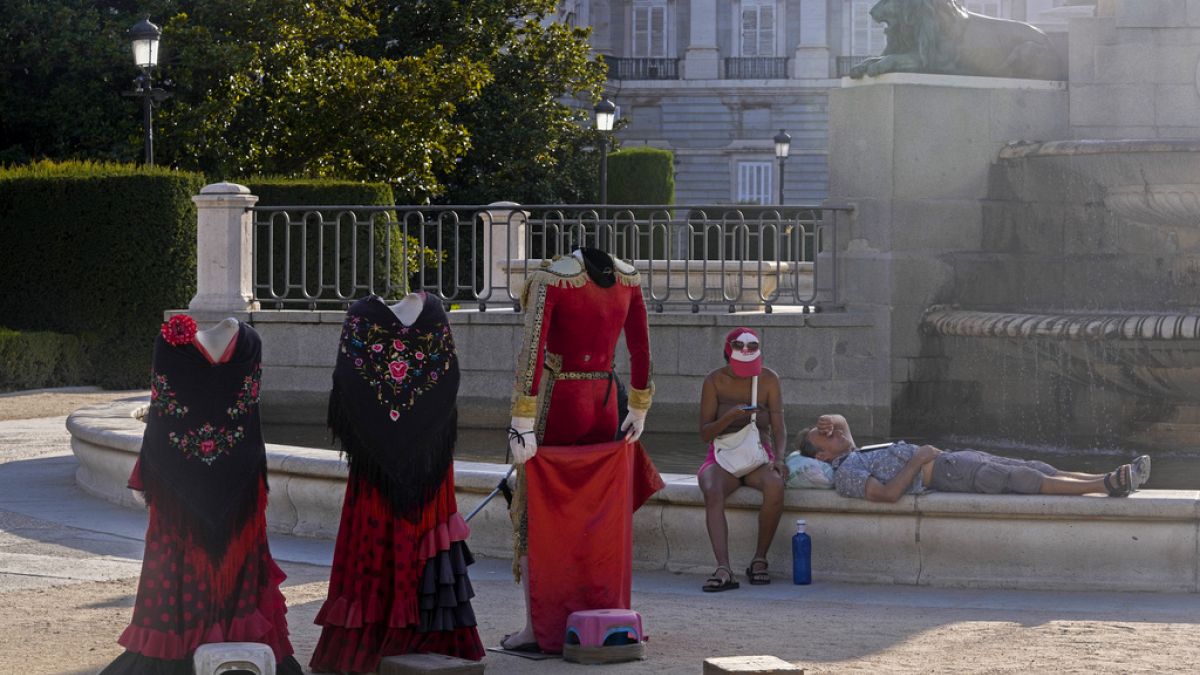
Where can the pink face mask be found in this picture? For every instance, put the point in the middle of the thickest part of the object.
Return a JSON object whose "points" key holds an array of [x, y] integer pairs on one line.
{"points": [[744, 350]]}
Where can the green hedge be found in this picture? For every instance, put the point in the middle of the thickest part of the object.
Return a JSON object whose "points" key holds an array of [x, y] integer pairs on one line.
{"points": [[329, 192], [642, 175], [99, 251], [40, 359]]}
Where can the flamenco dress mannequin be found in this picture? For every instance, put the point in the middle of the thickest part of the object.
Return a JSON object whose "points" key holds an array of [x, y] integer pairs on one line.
{"points": [[399, 581], [577, 488], [207, 573]]}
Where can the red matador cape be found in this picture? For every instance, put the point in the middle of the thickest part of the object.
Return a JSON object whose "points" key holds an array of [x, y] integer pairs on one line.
{"points": [[573, 511], [207, 572], [399, 581]]}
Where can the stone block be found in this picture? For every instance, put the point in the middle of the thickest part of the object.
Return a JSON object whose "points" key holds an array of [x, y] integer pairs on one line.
{"points": [[862, 130], [1143, 64], [415, 664], [932, 227], [1152, 13], [1029, 115], [1177, 105], [803, 354], [930, 119], [1106, 131], [285, 345], [1193, 12], [1127, 105], [1190, 132], [487, 347], [702, 345], [718, 665], [1085, 34]]}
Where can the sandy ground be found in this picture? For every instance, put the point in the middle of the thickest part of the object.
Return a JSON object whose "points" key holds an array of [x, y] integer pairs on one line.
{"points": [[66, 593]]}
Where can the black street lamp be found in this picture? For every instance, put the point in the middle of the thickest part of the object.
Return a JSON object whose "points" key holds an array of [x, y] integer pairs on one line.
{"points": [[605, 112], [783, 145], [144, 36]]}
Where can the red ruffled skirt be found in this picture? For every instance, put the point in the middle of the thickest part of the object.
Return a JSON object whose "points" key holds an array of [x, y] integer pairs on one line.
{"points": [[184, 600], [397, 586]]}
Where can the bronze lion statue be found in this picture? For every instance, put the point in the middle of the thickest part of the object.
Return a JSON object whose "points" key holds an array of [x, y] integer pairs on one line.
{"points": [[942, 37]]}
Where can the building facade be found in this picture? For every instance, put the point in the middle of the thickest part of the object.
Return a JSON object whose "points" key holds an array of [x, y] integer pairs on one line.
{"points": [[715, 80]]}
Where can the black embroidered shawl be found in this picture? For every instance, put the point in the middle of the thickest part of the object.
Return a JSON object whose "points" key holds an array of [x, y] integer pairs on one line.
{"points": [[393, 400], [202, 457]]}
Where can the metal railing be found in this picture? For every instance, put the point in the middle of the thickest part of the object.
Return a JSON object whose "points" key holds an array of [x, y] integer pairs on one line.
{"points": [[845, 63], [642, 68], [709, 257], [756, 68]]}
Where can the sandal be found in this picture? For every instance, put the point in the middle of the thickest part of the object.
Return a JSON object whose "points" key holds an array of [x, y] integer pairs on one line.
{"points": [[1119, 482], [715, 584], [758, 577], [1141, 471]]}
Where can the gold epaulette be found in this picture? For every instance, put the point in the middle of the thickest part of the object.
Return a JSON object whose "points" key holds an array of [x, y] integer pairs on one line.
{"points": [[563, 270], [627, 274]]}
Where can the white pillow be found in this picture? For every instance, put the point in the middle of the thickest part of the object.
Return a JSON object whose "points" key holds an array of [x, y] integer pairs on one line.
{"points": [[806, 472]]}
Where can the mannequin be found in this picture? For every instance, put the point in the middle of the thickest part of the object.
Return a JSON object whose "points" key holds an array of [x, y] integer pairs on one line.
{"points": [[215, 340], [409, 308]]}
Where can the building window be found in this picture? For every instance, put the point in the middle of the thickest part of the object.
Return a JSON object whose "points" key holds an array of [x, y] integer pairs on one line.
{"points": [[758, 27], [754, 183], [649, 28], [987, 7], [866, 36]]}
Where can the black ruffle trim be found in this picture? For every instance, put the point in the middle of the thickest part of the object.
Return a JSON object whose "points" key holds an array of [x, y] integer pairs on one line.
{"points": [[407, 475], [132, 663], [445, 592]]}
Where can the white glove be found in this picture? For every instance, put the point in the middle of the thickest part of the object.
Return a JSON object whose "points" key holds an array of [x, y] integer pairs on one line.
{"points": [[139, 497], [522, 442], [634, 424]]}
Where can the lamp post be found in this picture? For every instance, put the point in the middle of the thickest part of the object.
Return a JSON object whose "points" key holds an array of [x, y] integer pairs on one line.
{"points": [[605, 112], [144, 37], [783, 145]]}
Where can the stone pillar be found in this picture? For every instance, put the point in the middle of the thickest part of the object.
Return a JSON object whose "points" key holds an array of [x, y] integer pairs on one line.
{"points": [[503, 245], [702, 61], [224, 249], [913, 153], [811, 58]]}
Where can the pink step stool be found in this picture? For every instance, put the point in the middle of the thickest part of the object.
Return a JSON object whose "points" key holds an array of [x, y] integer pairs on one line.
{"points": [[604, 636]]}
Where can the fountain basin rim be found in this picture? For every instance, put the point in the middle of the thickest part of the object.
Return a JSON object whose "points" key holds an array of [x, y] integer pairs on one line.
{"points": [[1024, 149], [1143, 326]]}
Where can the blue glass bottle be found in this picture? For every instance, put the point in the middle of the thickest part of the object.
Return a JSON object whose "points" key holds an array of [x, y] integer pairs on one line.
{"points": [[801, 555]]}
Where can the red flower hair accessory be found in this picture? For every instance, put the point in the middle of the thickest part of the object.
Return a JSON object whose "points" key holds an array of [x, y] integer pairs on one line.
{"points": [[179, 330]]}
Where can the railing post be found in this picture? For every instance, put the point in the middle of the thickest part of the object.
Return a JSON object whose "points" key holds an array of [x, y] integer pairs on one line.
{"points": [[224, 249], [503, 243]]}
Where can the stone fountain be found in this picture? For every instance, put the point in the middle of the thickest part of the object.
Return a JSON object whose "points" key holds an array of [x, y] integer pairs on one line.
{"points": [[1049, 294]]}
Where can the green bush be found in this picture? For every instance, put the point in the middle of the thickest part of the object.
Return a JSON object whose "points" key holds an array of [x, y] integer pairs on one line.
{"points": [[40, 359], [99, 251], [642, 175], [354, 232]]}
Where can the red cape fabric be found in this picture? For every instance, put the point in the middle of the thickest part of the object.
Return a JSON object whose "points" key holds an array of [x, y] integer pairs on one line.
{"points": [[581, 500]]}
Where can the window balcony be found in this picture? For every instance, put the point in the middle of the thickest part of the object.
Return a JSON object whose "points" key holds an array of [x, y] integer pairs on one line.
{"points": [[756, 68], [642, 68]]}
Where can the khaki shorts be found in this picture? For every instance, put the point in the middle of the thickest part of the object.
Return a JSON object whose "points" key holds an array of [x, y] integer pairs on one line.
{"points": [[984, 473]]}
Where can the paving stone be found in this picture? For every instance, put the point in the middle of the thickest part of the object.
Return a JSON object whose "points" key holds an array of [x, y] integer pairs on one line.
{"points": [[411, 664], [749, 664]]}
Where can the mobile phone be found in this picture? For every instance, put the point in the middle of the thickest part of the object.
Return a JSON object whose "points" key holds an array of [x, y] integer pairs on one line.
{"points": [[748, 407]]}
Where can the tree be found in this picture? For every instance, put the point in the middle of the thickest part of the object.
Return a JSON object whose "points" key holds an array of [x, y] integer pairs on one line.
{"points": [[451, 99]]}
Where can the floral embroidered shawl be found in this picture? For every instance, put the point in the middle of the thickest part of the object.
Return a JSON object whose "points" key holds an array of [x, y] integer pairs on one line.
{"points": [[393, 401], [202, 456]]}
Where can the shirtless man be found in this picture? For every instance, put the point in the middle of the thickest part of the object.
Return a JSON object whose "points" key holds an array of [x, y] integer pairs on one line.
{"points": [[886, 473], [725, 408]]}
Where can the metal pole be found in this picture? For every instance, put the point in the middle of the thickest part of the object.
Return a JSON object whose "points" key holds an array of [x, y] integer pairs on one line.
{"points": [[781, 162], [145, 89], [604, 167]]}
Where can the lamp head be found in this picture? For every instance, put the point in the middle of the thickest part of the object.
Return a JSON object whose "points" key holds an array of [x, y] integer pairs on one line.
{"points": [[783, 144], [144, 36], [605, 111]]}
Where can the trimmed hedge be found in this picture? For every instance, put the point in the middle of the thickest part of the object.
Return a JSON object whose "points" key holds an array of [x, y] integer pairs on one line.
{"points": [[642, 175], [99, 251], [323, 192], [40, 359]]}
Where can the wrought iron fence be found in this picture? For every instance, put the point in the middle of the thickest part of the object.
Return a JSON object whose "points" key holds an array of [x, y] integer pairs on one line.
{"points": [[690, 257], [642, 68], [845, 63], [756, 68]]}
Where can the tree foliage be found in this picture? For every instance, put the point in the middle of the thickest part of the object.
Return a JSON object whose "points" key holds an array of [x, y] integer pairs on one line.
{"points": [[458, 100]]}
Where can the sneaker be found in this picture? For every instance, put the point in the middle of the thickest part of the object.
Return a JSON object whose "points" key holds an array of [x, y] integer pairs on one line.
{"points": [[1141, 471]]}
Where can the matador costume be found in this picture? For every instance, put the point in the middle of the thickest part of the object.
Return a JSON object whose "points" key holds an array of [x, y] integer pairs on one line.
{"points": [[575, 498]]}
